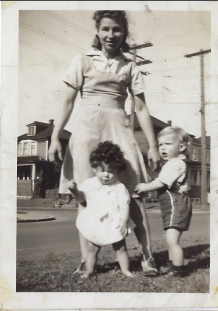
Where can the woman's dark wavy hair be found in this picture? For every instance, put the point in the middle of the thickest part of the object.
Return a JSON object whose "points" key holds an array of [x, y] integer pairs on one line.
{"points": [[116, 15], [110, 154]]}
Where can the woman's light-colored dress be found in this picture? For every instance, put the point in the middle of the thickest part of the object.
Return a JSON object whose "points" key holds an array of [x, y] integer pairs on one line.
{"points": [[101, 116], [99, 221]]}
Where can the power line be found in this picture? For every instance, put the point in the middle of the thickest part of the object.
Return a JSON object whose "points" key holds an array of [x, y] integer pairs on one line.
{"points": [[68, 23], [174, 69], [35, 48], [187, 33], [46, 34]]}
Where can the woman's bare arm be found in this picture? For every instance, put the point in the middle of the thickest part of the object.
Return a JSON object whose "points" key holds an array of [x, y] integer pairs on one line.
{"points": [[145, 122], [61, 121]]}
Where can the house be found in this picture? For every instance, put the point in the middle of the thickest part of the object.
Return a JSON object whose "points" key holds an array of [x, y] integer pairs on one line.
{"points": [[194, 163], [33, 166], [32, 159], [194, 158]]}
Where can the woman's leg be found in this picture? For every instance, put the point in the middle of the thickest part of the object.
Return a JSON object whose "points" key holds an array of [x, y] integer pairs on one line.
{"points": [[122, 257], [142, 232], [91, 258]]}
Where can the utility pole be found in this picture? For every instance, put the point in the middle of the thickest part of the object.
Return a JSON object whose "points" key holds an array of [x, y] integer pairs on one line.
{"points": [[203, 132], [139, 63]]}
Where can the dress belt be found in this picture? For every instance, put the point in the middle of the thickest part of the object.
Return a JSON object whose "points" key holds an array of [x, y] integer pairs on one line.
{"points": [[97, 104]]}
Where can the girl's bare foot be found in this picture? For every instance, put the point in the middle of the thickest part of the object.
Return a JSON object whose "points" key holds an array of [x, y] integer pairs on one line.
{"points": [[129, 274], [80, 269], [85, 275]]}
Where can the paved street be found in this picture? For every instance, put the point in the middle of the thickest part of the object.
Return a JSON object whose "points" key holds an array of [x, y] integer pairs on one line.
{"points": [[61, 236]]}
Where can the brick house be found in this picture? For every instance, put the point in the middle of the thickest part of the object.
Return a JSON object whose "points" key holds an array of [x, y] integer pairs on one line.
{"points": [[32, 158]]}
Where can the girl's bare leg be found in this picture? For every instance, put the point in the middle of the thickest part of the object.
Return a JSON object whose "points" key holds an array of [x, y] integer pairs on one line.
{"points": [[83, 248], [122, 257], [91, 259]]}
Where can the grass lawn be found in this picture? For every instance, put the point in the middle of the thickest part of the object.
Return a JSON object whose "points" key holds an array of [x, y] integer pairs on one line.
{"points": [[54, 272], [35, 202]]}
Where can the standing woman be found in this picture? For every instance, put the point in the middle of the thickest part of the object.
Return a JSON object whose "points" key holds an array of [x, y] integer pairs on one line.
{"points": [[102, 76]]}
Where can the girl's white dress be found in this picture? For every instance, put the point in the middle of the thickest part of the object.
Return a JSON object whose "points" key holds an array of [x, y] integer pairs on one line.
{"points": [[99, 220], [103, 86]]}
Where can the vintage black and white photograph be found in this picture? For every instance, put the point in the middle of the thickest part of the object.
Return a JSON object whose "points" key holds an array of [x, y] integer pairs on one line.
{"points": [[119, 199], [114, 123]]}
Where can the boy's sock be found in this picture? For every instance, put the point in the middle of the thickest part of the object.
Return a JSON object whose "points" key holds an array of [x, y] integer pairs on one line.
{"points": [[178, 271], [168, 267]]}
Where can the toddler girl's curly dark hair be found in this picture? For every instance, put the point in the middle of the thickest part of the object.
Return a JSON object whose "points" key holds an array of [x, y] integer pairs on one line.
{"points": [[110, 154]]}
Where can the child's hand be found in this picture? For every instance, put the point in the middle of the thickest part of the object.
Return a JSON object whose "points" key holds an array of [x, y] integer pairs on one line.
{"points": [[72, 186], [123, 228], [140, 188]]}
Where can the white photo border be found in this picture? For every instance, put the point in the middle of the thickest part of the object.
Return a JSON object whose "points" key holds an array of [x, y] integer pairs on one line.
{"points": [[9, 298]]}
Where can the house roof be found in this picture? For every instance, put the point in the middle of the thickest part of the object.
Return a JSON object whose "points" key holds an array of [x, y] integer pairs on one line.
{"points": [[198, 140], [156, 122], [44, 133]]}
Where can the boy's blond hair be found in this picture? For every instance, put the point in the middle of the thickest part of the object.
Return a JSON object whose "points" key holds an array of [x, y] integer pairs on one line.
{"points": [[180, 134]]}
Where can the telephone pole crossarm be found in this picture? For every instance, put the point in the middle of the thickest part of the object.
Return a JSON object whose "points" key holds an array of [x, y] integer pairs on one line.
{"points": [[143, 62], [198, 53], [136, 55], [144, 45]]}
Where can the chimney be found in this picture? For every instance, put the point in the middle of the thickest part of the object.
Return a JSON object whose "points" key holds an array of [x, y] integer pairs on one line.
{"points": [[169, 123], [51, 121]]}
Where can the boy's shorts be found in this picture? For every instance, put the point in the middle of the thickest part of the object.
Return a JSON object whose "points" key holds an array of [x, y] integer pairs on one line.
{"points": [[176, 210]]}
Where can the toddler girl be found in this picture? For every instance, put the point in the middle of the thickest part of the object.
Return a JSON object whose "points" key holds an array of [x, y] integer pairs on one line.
{"points": [[105, 218], [172, 187]]}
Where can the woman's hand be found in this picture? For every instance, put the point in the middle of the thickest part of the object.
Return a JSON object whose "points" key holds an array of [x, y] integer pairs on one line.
{"points": [[72, 186], [140, 188], [153, 157], [54, 148]]}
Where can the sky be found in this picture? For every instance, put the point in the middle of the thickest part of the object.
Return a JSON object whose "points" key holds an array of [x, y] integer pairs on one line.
{"points": [[49, 40]]}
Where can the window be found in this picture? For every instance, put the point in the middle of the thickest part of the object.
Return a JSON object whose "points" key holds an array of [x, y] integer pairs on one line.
{"points": [[31, 130], [33, 148], [194, 155], [27, 148]]}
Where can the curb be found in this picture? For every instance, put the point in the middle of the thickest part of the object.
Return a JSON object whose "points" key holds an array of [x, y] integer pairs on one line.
{"points": [[48, 218]]}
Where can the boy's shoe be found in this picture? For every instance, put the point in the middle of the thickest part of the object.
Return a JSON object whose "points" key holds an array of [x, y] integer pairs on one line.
{"points": [[149, 267], [176, 272]]}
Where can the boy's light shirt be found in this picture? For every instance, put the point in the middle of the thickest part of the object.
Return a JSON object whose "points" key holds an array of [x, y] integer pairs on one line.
{"points": [[173, 174]]}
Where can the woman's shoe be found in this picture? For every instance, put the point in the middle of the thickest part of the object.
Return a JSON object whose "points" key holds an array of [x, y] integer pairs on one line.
{"points": [[149, 267]]}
